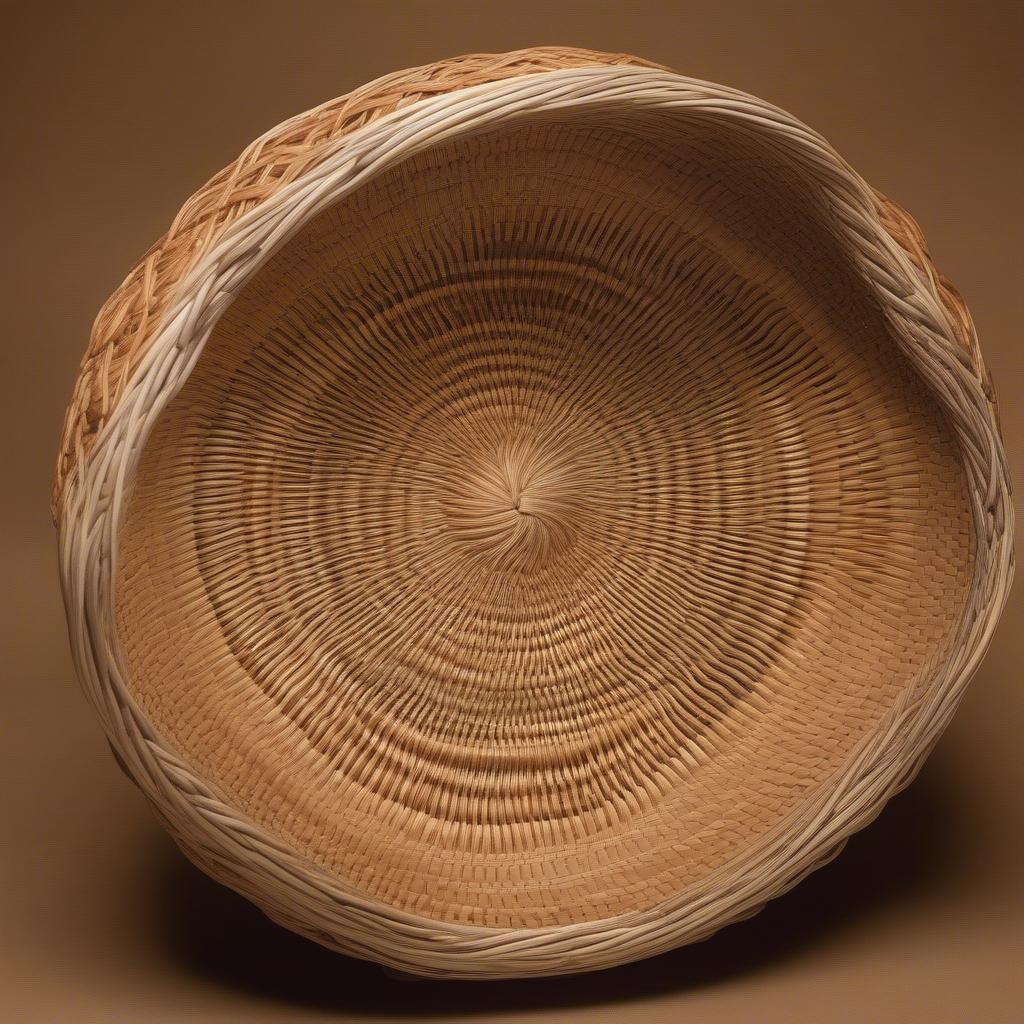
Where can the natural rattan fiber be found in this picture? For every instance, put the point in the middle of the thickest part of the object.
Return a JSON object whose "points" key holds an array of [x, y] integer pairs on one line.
{"points": [[528, 513]]}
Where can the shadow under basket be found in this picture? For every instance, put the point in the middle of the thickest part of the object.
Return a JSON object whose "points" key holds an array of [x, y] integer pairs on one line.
{"points": [[527, 513]]}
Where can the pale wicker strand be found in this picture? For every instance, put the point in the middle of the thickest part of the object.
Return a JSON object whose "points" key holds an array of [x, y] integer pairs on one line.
{"points": [[931, 332]]}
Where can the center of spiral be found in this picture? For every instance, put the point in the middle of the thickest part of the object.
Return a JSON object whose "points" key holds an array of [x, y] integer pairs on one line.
{"points": [[512, 507]]}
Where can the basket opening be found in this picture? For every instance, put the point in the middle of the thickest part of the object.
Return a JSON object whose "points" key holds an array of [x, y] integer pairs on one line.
{"points": [[542, 523]]}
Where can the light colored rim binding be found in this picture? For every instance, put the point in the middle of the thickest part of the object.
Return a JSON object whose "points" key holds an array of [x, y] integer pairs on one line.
{"points": [[152, 331]]}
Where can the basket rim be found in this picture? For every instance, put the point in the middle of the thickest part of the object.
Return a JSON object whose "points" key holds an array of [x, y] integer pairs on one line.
{"points": [[206, 825]]}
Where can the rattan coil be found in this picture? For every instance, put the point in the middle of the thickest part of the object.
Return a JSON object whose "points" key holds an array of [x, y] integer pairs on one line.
{"points": [[528, 513]]}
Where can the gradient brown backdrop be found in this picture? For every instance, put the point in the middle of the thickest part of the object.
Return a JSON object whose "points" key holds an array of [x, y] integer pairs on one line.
{"points": [[113, 116]]}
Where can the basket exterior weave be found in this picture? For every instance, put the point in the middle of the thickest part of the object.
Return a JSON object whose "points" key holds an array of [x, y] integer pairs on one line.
{"points": [[150, 331]]}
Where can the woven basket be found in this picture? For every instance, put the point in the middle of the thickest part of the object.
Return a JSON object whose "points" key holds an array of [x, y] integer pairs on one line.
{"points": [[527, 513]]}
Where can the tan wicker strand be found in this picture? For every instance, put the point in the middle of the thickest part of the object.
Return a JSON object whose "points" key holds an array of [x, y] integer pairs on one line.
{"points": [[905, 230], [537, 521]]}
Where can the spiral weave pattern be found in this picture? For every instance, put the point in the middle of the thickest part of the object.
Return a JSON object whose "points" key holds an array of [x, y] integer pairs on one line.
{"points": [[542, 528]]}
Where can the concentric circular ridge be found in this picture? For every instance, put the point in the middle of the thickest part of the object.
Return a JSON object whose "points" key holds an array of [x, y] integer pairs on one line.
{"points": [[557, 544]]}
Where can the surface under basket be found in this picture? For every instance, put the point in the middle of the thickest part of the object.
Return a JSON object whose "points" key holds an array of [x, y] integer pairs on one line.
{"points": [[527, 513]]}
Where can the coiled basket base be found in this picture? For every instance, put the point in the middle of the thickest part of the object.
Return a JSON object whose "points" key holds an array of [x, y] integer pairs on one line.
{"points": [[542, 524]]}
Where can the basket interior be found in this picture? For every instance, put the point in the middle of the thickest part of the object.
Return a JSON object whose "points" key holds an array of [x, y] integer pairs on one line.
{"points": [[543, 524]]}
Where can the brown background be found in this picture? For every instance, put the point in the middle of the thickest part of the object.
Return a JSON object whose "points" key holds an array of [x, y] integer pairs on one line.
{"points": [[113, 116]]}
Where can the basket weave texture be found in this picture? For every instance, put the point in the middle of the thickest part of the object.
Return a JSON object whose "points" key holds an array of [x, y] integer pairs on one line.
{"points": [[528, 512]]}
